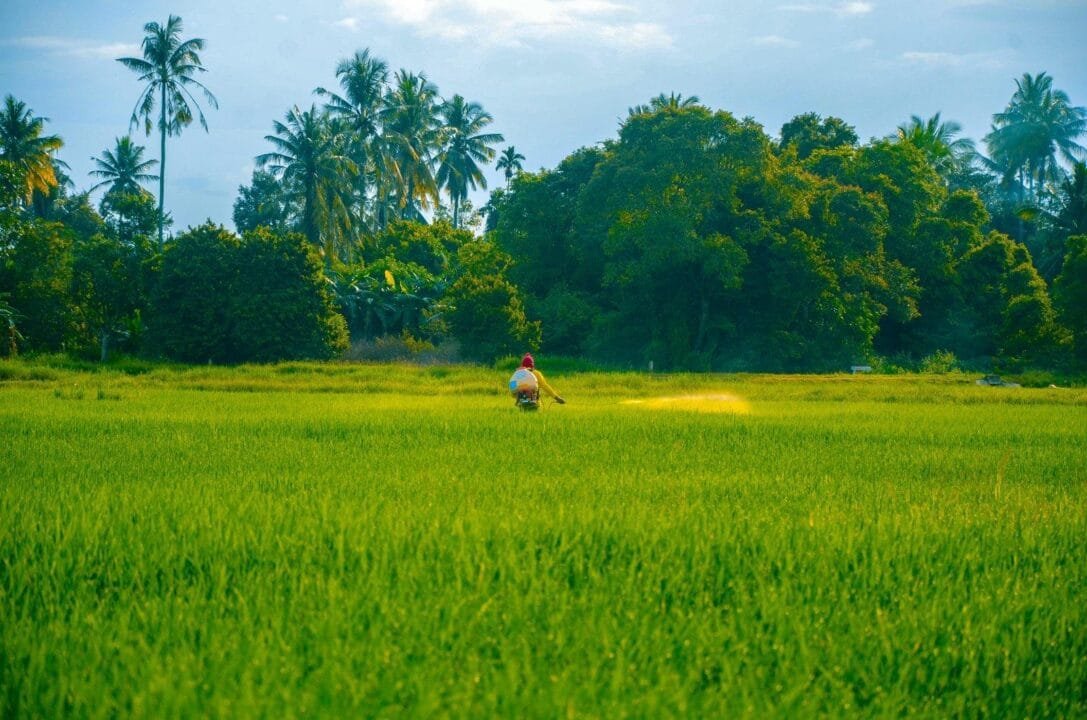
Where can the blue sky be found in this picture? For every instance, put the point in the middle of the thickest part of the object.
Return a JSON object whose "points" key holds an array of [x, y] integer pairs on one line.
{"points": [[556, 74]]}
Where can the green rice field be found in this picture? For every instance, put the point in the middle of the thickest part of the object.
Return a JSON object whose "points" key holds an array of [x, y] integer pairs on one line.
{"points": [[341, 540]]}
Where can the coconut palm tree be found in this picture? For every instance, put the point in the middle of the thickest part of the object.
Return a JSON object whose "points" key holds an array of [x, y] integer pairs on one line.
{"points": [[510, 164], [938, 140], [411, 136], [123, 168], [310, 158], [24, 146], [363, 78], [168, 67], [464, 145], [1037, 129], [672, 101]]}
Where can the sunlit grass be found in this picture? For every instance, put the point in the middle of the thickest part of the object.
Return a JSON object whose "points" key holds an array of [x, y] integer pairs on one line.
{"points": [[343, 540]]}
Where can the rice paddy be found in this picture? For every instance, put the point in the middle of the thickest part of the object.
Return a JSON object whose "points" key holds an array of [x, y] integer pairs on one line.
{"points": [[373, 541]]}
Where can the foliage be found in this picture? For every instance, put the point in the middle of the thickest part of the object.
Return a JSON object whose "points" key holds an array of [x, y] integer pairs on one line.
{"points": [[950, 156], [189, 317], [27, 150], [1038, 126], [810, 132], [310, 157], [281, 308], [10, 318], [123, 168], [691, 241], [535, 225], [168, 69], [486, 313], [255, 299], [106, 289], [36, 273], [1070, 293], [692, 211], [412, 133], [510, 164], [462, 147], [265, 202], [131, 218], [1008, 302]]}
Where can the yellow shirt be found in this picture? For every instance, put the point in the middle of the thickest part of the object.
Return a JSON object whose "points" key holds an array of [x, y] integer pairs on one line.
{"points": [[543, 383]]}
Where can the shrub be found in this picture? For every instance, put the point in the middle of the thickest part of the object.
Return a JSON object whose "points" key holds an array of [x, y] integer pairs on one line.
{"points": [[228, 300], [941, 361]]}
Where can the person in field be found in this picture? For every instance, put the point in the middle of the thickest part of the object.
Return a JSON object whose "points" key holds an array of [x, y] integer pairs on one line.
{"points": [[529, 365]]}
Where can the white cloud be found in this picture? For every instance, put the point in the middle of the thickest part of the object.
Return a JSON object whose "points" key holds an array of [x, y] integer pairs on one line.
{"points": [[636, 36], [989, 61], [861, 44], [348, 23], [775, 41], [932, 58], [280, 18], [76, 47], [850, 8], [499, 22]]}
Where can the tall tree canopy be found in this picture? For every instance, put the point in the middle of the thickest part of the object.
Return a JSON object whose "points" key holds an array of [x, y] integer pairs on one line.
{"points": [[29, 151], [463, 146], [1039, 127], [310, 157]]}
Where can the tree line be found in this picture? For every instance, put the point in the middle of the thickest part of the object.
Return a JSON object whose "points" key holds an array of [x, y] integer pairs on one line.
{"points": [[695, 240], [692, 240]]}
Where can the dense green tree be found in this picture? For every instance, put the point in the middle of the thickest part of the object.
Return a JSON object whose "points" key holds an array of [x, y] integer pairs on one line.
{"points": [[78, 216], [132, 219], [485, 311], [661, 208], [167, 69], [281, 307], [810, 132], [36, 273], [535, 225], [1070, 294], [463, 146], [431, 247], [105, 288], [920, 236], [27, 150], [1007, 303], [1062, 214], [260, 298], [189, 319], [264, 203]]}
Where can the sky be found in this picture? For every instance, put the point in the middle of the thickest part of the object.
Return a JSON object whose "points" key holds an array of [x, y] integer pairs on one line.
{"points": [[555, 74]]}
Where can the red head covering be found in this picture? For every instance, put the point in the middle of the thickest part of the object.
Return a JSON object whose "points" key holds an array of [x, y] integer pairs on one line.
{"points": [[527, 362]]}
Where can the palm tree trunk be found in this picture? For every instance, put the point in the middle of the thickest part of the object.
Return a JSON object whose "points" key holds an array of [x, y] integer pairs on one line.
{"points": [[162, 162], [456, 212]]}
